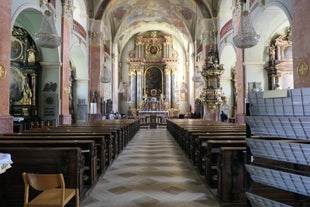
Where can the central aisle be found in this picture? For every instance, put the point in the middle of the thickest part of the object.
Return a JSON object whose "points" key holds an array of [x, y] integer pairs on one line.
{"points": [[152, 171]]}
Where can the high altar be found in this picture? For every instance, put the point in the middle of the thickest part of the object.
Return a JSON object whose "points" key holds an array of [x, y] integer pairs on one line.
{"points": [[153, 111], [152, 72]]}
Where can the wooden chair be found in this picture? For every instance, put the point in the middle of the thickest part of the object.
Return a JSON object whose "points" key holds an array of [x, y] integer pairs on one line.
{"points": [[53, 190]]}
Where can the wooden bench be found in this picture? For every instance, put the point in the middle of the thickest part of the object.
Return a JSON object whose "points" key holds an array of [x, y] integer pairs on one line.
{"points": [[213, 150], [231, 185], [203, 141], [66, 160], [198, 145], [100, 143], [111, 137], [88, 148]]}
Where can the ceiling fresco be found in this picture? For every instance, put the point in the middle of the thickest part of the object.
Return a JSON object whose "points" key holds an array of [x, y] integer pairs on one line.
{"points": [[129, 17]]}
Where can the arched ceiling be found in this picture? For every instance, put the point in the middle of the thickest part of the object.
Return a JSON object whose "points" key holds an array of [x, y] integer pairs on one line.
{"points": [[178, 18]]}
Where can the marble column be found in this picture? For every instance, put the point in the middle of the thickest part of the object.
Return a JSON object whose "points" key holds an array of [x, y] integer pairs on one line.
{"points": [[173, 88], [240, 87], [133, 86], [96, 63], [65, 116], [6, 120], [168, 86], [139, 86]]}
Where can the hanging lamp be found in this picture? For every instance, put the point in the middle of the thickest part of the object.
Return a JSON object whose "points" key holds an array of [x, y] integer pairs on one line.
{"points": [[47, 36], [106, 75], [196, 78], [183, 88], [121, 87], [246, 35]]}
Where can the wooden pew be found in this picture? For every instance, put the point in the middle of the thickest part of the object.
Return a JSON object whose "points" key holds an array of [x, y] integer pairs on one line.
{"points": [[213, 151], [231, 178], [197, 148], [203, 142], [100, 143], [110, 136], [88, 149], [119, 134], [68, 161]]}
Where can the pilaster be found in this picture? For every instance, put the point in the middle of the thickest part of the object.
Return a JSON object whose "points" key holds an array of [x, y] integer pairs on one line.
{"points": [[6, 121]]}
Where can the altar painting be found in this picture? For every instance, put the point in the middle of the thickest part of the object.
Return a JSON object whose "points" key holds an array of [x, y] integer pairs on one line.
{"points": [[153, 82]]}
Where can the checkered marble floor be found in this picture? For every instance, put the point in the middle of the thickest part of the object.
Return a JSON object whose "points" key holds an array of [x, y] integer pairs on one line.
{"points": [[151, 172]]}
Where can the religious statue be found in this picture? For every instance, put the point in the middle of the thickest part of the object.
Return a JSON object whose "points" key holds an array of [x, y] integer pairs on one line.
{"points": [[145, 97], [272, 52], [94, 97], [162, 97], [27, 95]]}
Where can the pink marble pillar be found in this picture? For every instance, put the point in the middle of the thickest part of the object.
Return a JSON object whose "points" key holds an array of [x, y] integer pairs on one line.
{"points": [[95, 64], [301, 45], [65, 116], [6, 121], [240, 87]]}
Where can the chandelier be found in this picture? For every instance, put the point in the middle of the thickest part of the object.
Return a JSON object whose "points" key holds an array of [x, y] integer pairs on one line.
{"points": [[246, 35], [183, 88], [122, 87], [196, 78], [106, 75], [47, 36]]}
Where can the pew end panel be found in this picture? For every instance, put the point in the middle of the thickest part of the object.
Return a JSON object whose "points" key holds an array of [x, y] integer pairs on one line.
{"points": [[68, 161]]}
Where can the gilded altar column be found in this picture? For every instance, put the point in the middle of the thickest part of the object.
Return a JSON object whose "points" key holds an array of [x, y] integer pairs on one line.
{"points": [[133, 87], [168, 86], [34, 91]]}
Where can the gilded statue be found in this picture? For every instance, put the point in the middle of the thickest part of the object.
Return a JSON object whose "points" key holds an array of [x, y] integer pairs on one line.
{"points": [[27, 95]]}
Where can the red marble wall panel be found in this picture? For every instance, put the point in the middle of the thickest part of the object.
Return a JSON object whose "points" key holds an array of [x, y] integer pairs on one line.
{"points": [[96, 62], [301, 42]]}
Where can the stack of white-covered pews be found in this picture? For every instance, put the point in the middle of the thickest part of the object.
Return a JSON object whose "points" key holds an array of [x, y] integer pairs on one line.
{"points": [[279, 164]]}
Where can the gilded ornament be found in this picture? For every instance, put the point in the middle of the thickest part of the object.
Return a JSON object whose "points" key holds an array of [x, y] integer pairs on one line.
{"points": [[2, 72], [303, 69]]}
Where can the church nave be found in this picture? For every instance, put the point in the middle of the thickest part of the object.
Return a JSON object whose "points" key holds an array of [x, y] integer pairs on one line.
{"points": [[152, 171]]}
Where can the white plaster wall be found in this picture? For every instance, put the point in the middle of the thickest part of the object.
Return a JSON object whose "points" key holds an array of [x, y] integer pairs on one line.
{"points": [[228, 59]]}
